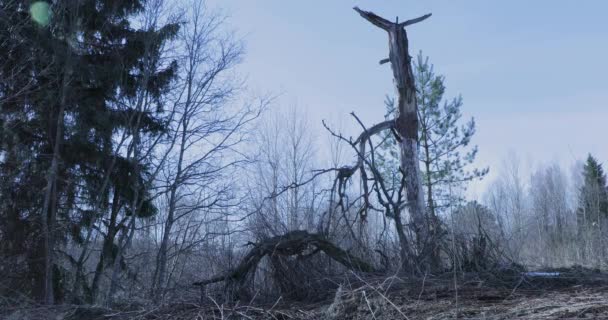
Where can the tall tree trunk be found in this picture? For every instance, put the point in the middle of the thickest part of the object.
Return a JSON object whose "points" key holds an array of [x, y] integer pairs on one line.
{"points": [[107, 247], [158, 281], [161, 261], [405, 252], [433, 220], [136, 203], [49, 208], [79, 278], [406, 123], [48, 213], [134, 154], [123, 242]]}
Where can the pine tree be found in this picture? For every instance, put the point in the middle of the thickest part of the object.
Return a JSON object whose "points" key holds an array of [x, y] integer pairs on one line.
{"points": [[444, 151], [442, 142]]}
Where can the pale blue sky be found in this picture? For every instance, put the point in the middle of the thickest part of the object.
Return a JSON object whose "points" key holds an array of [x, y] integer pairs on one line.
{"points": [[532, 73]]}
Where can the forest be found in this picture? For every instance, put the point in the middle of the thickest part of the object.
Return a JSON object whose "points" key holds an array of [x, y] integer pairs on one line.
{"points": [[142, 178]]}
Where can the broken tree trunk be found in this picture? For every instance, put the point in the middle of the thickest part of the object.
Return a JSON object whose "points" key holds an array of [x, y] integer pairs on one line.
{"points": [[289, 244], [406, 123]]}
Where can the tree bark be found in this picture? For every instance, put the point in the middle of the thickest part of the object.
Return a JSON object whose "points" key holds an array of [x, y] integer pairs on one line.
{"points": [[406, 122]]}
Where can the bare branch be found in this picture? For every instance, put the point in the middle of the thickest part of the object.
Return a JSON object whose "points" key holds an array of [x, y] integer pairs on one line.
{"points": [[413, 21], [375, 19]]}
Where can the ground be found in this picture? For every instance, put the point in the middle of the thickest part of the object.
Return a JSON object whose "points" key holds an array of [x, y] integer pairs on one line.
{"points": [[569, 296], [563, 303]]}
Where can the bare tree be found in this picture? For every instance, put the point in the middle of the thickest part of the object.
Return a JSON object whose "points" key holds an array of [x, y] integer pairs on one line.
{"points": [[204, 133], [405, 129], [284, 163], [554, 217], [506, 197]]}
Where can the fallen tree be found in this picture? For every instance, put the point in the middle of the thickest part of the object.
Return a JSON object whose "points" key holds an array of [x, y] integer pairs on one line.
{"points": [[293, 243]]}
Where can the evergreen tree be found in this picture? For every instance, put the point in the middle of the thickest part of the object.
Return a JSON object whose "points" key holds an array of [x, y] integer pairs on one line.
{"points": [[443, 143], [592, 207], [443, 146], [593, 200], [84, 74]]}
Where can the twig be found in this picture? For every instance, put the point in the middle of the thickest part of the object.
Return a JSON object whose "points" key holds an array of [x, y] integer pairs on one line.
{"points": [[368, 305], [383, 296]]}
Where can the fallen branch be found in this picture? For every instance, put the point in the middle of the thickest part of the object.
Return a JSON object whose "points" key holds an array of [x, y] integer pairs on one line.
{"points": [[289, 244]]}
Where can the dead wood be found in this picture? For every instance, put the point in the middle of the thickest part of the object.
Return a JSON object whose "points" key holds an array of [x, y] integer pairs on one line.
{"points": [[289, 244], [406, 128]]}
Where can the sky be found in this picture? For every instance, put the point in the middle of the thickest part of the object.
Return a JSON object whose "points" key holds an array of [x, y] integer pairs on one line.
{"points": [[531, 73]]}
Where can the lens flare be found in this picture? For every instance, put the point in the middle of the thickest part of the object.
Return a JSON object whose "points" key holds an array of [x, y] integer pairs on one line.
{"points": [[41, 12]]}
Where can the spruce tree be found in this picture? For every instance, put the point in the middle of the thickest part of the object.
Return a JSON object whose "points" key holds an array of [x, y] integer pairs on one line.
{"points": [[82, 68], [594, 192], [593, 206]]}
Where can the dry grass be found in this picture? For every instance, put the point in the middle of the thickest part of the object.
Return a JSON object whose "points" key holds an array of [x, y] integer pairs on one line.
{"points": [[383, 298]]}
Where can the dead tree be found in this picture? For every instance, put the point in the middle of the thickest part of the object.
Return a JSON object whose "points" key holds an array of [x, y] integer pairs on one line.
{"points": [[289, 244], [415, 254], [406, 121]]}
